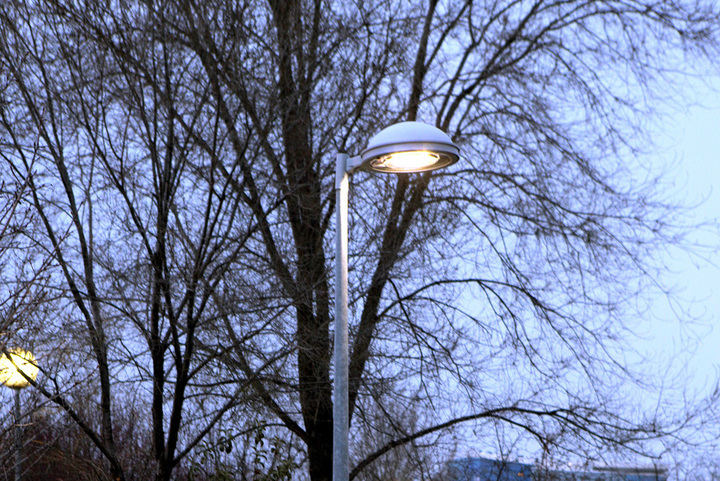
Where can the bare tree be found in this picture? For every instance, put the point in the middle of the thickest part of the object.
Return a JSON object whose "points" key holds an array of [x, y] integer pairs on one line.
{"points": [[179, 159], [140, 224]]}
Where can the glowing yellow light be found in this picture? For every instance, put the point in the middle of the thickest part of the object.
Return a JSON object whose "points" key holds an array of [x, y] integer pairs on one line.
{"points": [[11, 368], [407, 161]]}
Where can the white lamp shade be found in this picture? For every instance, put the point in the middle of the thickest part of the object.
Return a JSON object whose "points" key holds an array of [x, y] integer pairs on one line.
{"points": [[11, 367], [409, 147]]}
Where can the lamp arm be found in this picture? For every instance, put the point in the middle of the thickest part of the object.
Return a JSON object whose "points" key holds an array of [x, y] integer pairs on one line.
{"points": [[346, 165], [353, 163]]}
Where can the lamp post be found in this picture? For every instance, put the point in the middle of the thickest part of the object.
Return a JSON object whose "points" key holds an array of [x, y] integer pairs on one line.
{"points": [[401, 148], [15, 370]]}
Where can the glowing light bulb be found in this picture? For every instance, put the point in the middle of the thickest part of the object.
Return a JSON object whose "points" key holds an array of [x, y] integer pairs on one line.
{"points": [[11, 368], [412, 161]]}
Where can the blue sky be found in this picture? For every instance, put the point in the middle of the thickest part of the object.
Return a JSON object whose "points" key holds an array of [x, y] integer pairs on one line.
{"points": [[688, 139], [693, 142]]}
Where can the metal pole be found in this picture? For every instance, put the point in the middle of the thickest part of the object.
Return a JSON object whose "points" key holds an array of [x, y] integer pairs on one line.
{"points": [[18, 437], [341, 459]]}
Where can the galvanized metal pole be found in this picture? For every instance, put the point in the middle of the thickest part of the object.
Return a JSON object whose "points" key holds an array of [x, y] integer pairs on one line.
{"points": [[18, 437], [341, 458]]}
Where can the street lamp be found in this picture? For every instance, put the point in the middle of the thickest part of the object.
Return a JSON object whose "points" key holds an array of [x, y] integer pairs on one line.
{"points": [[401, 148], [17, 368]]}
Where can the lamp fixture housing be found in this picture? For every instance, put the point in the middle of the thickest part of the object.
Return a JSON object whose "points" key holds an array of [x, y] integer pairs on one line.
{"points": [[409, 147], [13, 367]]}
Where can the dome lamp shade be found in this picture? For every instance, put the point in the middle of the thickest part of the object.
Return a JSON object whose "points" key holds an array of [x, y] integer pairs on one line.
{"points": [[409, 147]]}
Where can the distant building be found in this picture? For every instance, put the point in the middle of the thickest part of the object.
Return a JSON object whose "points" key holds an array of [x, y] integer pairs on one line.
{"points": [[482, 469]]}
